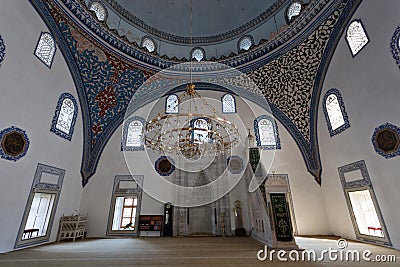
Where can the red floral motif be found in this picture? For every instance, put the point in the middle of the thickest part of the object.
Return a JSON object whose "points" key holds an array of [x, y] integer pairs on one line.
{"points": [[97, 128], [106, 100]]}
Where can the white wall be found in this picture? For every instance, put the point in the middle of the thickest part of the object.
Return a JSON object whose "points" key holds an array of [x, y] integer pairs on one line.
{"points": [[30, 92], [369, 84], [306, 193]]}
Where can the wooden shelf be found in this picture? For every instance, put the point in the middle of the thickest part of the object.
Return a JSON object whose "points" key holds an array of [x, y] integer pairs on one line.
{"points": [[150, 222]]}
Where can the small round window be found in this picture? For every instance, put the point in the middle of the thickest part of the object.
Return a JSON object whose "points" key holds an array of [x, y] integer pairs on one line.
{"points": [[99, 10], [293, 11], [149, 44], [198, 54], [245, 43]]}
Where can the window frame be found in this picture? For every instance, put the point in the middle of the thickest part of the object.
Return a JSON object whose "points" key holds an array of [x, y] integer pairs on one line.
{"points": [[125, 192], [276, 133], [133, 197], [53, 127], [234, 103], [347, 40], [54, 52], [364, 183], [125, 129], [39, 186], [342, 108]]}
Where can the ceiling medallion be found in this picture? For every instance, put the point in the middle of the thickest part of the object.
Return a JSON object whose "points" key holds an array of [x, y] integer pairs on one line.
{"points": [[386, 140], [14, 143], [164, 166]]}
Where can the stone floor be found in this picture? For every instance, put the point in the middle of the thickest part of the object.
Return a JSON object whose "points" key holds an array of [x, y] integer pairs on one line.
{"points": [[194, 251]]}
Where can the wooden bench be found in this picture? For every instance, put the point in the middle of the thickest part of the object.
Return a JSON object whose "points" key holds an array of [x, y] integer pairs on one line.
{"points": [[72, 227]]}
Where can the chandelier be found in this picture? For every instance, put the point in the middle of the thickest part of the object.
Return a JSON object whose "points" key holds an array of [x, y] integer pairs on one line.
{"points": [[196, 130]]}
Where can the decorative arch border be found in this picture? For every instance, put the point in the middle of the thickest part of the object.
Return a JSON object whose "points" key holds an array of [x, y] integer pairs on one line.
{"points": [[53, 128], [3, 153], [276, 133], [128, 121], [342, 108]]}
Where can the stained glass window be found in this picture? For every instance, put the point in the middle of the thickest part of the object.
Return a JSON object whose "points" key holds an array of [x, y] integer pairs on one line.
{"points": [[293, 10], [335, 113], [135, 131], [356, 36], [99, 9], [46, 48], [245, 43], [198, 54], [65, 116], [149, 44], [228, 104], [266, 132], [200, 134], [172, 104]]}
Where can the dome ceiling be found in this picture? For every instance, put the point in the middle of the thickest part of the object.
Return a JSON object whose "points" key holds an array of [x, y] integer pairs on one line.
{"points": [[209, 17], [108, 68]]}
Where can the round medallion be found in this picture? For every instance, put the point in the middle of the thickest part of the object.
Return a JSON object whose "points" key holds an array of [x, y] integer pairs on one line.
{"points": [[235, 164], [14, 143], [386, 140], [164, 166]]}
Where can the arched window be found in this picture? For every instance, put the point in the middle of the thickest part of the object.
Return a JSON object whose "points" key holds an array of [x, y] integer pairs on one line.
{"points": [[197, 53], [172, 104], [133, 134], [293, 11], [335, 113], [266, 131], [356, 37], [245, 43], [45, 49], [149, 44], [228, 104], [65, 116], [99, 9], [200, 132]]}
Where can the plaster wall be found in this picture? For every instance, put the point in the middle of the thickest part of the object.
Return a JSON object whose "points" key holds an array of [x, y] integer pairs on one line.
{"points": [[30, 91], [368, 83]]}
